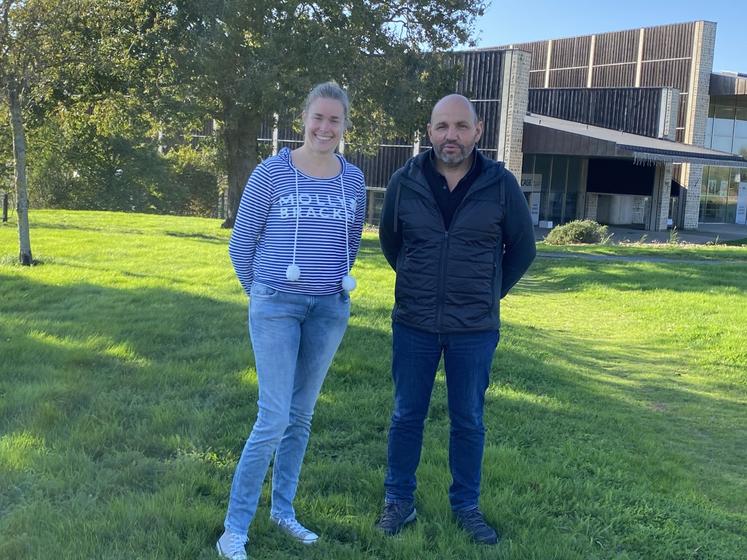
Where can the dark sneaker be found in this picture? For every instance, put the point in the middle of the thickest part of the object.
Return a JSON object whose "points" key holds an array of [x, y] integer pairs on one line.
{"points": [[395, 516], [473, 522]]}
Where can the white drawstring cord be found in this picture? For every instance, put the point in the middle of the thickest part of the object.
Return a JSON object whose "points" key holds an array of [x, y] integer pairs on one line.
{"points": [[348, 282], [293, 272]]}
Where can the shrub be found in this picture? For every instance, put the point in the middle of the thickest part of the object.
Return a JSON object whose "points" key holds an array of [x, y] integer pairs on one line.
{"points": [[578, 231]]}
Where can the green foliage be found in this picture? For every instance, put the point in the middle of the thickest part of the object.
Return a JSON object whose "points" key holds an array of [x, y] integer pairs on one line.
{"points": [[128, 389], [94, 140], [674, 236], [577, 231], [108, 84], [107, 155], [194, 177]]}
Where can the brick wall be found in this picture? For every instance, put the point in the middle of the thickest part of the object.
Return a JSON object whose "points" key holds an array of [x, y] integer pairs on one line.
{"points": [[704, 44], [515, 99]]}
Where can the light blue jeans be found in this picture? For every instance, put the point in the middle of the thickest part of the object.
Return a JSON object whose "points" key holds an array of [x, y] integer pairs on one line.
{"points": [[294, 338]]}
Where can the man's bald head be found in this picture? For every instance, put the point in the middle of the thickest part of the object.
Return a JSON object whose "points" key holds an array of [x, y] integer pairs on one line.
{"points": [[454, 100]]}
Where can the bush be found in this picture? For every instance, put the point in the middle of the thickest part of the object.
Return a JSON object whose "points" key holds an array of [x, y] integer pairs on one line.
{"points": [[578, 231]]}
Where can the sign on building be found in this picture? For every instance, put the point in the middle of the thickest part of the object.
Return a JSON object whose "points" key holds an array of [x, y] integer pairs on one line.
{"points": [[531, 185], [742, 204]]}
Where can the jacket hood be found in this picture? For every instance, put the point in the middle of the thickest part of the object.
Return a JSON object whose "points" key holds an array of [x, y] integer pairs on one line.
{"points": [[284, 154]]}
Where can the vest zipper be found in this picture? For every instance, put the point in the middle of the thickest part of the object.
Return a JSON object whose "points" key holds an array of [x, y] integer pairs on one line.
{"points": [[442, 282]]}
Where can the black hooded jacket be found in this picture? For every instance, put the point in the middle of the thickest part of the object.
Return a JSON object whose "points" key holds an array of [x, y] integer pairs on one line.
{"points": [[452, 280]]}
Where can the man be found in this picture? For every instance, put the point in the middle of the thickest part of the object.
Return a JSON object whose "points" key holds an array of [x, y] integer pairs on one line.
{"points": [[456, 229]]}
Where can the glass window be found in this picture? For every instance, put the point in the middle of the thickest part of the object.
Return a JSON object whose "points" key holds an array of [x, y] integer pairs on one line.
{"points": [[740, 146], [542, 166], [723, 121], [735, 176], [722, 143], [557, 188], [573, 187], [740, 126], [723, 127], [719, 193], [529, 183], [731, 211], [717, 181], [725, 110], [527, 166], [714, 209]]}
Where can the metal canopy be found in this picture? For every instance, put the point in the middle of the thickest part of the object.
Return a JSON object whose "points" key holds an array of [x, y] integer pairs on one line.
{"points": [[598, 141]]}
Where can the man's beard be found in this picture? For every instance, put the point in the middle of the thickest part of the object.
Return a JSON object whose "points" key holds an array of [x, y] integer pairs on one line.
{"points": [[452, 159]]}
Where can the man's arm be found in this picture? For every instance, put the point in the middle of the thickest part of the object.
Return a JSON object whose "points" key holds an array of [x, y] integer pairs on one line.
{"points": [[518, 236], [390, 230]]}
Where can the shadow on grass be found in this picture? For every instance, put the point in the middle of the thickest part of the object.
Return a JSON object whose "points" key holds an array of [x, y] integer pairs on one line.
{"points": [[221, 240], [555, 275], [103, 229], [125, 385]]}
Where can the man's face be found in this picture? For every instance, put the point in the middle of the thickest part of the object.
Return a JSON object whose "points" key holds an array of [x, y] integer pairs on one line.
{"points": [[453, 131]]}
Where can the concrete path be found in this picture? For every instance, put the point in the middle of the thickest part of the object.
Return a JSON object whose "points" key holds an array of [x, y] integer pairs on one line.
{"points": [[638, 258]]}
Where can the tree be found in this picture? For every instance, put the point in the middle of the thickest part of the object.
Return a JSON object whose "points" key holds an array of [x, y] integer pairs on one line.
{"points": [[31, 35], [12, 65], [244, 61]]}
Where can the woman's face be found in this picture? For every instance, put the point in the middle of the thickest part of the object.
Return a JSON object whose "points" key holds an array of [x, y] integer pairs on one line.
{"points": [[324, 123]]}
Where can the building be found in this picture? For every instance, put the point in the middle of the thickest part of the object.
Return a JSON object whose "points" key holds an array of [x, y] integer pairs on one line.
{"points": [[627, 128], [724, 194], [664, 165]]}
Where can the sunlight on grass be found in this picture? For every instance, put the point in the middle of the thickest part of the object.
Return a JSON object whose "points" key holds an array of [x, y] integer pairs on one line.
{"points": [[79, 350], [545, 401], [19, 451]]}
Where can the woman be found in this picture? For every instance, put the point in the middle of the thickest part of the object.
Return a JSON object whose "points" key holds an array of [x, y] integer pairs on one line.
{"points": [[296, 235]]}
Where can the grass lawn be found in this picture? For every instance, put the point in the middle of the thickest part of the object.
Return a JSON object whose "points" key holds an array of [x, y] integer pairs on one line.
{"points": [[616, 417]]}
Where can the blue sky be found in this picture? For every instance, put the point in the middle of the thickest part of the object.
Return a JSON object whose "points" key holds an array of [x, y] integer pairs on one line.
{"points": [[546, 19]]}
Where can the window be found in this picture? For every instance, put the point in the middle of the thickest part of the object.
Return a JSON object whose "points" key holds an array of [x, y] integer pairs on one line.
{"points": [[723, 120]]}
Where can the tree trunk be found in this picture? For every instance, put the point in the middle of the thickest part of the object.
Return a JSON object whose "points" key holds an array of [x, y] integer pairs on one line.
{"points": [[239, 133], [22, 195]]}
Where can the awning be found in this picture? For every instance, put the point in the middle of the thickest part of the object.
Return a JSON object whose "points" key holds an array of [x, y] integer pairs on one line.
{"points": [[557, 136]]}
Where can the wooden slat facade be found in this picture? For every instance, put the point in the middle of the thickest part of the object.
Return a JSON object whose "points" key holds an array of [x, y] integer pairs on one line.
{"points": [[616, 47], [378, 168], [619, 75], [634, 110], [668, 41], [571, 53], [664, 59]]}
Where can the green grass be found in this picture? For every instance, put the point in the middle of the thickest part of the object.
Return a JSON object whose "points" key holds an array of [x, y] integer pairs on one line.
{"points": [[617, 413], [727, 250]]}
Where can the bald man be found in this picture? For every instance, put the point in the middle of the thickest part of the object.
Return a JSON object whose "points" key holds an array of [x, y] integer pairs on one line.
{"points": [[456, 229]]}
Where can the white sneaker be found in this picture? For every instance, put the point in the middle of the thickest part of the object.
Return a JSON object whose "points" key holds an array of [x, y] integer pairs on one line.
{"points": [[231, 546], [293, 528]]}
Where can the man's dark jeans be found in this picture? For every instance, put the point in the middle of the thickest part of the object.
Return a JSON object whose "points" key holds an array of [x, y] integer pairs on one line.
{"points": [[467, 361]]}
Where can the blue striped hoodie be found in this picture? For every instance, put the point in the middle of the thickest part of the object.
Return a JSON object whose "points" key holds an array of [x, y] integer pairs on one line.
{"points": [[261, 246]]}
